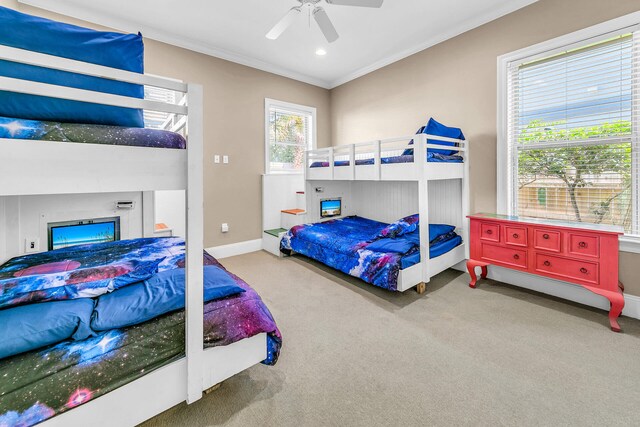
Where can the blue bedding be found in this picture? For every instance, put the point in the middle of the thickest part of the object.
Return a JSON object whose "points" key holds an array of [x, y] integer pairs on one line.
{"points": [[129, 281], [405, 158], [11, 128], [353, 245]]}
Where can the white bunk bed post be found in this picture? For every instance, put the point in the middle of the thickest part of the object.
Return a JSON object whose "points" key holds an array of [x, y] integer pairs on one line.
{"points": [[465, 201], [331, 163], [194, 287], [352, 162], [420, 158], [376, 159]]}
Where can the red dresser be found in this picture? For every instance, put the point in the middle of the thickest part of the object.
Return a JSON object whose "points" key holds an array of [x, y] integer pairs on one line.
{"points": [[583, 254]]}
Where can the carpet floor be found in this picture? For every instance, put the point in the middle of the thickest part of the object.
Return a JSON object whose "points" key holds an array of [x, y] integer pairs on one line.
{"points": [[356, 355]]}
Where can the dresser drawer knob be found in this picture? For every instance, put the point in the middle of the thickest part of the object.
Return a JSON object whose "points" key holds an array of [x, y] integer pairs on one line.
{"points": [[545, 236], [547, 263], [584, 270], [516, 256], [582, 245], [516, 236], [489, 231]]}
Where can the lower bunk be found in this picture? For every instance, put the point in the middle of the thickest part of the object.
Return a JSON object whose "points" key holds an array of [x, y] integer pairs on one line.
{"points": [[131, 338], [384, 255]]}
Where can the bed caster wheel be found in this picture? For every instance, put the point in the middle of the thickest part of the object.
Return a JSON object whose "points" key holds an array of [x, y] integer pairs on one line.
{"points": [[421, 288]]}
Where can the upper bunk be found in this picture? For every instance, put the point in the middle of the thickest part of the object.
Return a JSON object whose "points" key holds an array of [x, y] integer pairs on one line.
{"points": [[391, 159], [33, 165]]}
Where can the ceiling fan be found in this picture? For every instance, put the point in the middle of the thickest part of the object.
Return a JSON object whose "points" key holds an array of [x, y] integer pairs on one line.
{"points": [[319, 15]]}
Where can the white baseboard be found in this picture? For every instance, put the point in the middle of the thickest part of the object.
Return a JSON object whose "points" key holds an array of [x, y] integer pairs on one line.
{"points": [[234, 249], [558, 289]]}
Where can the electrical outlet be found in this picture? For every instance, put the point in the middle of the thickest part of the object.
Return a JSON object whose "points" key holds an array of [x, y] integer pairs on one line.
{"points": [[225, 159], [31, 245], [216, 158], [225, 227]]}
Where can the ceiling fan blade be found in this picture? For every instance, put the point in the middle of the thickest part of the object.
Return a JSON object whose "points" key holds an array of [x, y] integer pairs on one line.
{"points": [[325, 24], [360, 3], [284, 23]]}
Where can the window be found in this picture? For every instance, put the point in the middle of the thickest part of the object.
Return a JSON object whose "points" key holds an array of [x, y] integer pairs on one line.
{"points": [[290, 130], [568, 123]]}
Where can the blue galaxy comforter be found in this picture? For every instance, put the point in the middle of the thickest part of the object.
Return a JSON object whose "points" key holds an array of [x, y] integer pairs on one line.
{"points": [[361, 248]]}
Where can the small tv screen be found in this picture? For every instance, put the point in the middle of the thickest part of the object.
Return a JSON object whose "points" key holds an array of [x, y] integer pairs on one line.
{"points": [[330, 207], [82, 232]]}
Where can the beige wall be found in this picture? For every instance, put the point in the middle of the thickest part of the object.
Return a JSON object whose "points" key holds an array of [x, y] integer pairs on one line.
{"points": [[234, 125], [455, 82]]}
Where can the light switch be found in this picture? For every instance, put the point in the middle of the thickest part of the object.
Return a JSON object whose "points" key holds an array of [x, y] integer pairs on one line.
{"points": [[225, 159], [32, 245], [216, 158]]}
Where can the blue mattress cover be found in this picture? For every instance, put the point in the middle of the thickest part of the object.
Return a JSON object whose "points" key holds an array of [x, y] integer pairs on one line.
{"points": [[407, 158], [89, 134]]}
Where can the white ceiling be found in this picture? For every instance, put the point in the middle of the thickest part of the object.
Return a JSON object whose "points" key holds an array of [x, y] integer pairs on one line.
{"points": [[235, 30]]}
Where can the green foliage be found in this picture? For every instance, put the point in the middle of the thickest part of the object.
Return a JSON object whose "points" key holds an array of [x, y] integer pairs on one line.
{"points": [[288, 129], [575, 165]]}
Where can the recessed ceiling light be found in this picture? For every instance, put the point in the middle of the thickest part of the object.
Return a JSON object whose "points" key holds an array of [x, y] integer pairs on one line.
{"points": [[321, 52]]}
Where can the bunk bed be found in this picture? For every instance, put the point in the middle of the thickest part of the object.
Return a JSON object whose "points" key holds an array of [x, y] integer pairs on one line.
{"points": [[431, 170], [44, 157]]}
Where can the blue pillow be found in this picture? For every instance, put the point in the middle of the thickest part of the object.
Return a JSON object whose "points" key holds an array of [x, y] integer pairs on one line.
{"points": [[115, 50], [400, 227], [438, 129], [403, 243], [158, 295], [32, 326], [437, 230], [398, 245]]}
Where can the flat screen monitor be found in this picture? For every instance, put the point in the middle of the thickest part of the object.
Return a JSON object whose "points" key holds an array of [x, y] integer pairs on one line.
{"points": [[82, 232], [330, 208]]}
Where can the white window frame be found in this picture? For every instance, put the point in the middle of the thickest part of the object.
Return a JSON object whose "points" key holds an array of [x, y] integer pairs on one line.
{"points": [[270, 103], [627, 23]]}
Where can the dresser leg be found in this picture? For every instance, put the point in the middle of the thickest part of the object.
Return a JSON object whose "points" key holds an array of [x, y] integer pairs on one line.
{"points": [[471, 267], [617, 304]]}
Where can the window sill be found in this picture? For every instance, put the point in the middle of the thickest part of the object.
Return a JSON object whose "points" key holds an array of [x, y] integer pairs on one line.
{"points": [[630, 244]]}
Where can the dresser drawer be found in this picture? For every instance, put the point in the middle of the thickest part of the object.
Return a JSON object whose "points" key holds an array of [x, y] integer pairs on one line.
{"points": [[516, 236], [490, 231], [582, 244], [547, 240], [514, 257], [567, 269]]}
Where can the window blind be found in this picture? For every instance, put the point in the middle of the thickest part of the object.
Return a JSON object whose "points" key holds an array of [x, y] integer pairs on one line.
{"points": [[573, 133], [289, 136], [158, 119]]}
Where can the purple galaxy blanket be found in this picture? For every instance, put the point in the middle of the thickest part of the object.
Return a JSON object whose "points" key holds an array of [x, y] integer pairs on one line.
{"points": [[89, 134]]}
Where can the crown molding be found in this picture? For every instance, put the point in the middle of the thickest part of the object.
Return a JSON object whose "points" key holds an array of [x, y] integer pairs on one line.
{"points": [[468, 25]]}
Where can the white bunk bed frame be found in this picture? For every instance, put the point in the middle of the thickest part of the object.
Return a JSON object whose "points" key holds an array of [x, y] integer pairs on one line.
{"points": [[55, 168], [419, 170]]}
